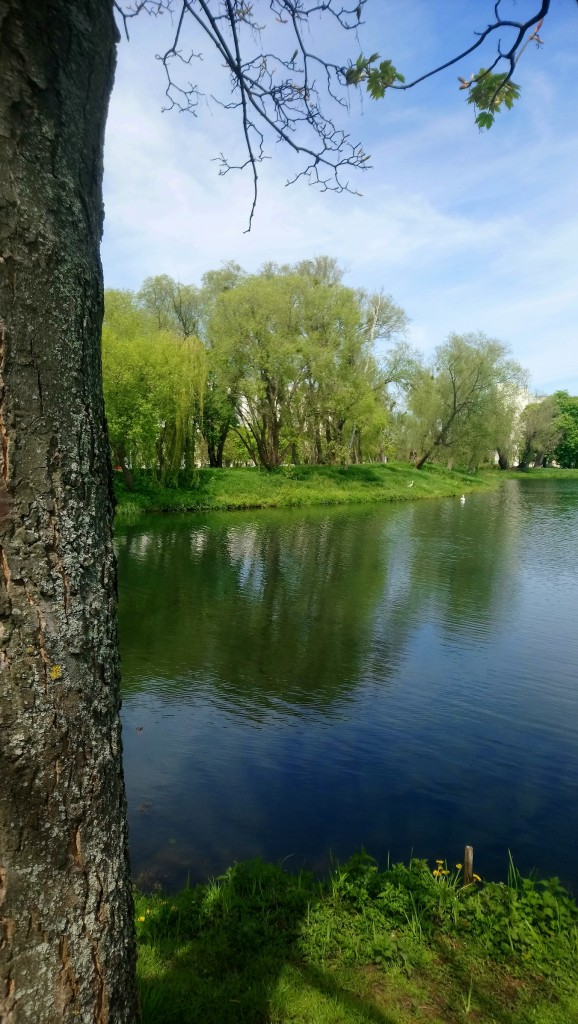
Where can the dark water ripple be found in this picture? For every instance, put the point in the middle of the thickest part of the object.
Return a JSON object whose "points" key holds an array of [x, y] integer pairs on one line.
{"points": [[301, 683]]}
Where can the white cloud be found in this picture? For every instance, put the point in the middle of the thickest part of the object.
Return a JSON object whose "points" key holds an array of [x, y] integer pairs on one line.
{"points": [[467, 231]]}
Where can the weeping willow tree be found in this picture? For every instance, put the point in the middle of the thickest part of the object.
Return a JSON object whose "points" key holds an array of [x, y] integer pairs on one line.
{"points": [[186, 373], [154, 382]]}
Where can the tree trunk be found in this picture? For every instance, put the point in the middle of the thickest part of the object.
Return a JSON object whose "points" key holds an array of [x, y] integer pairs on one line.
{"points": [[503, 460], [189, 450], [525, 458], [66, 917], [127, 477], [422, 461], [221, 449], [215, 449], [318, 446]]}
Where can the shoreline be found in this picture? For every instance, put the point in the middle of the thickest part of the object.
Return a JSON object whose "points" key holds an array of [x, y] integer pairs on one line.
{"points": [[228, 490], [300, 487]]}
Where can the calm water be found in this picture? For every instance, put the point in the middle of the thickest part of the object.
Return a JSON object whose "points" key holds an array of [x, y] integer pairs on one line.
{"points": [[297, 684]]}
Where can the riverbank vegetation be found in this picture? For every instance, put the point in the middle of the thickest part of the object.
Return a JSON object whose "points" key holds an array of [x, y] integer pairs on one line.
{"points": [[549, 432], [296, 487], [290, 366], [407, 945]]}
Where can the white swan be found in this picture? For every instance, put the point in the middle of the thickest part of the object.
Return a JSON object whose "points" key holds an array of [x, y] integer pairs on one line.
{"points": [[463, 499]]}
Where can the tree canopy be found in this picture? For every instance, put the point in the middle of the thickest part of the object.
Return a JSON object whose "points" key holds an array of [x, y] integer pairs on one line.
{"points": [[549, 431], [463, 403], [293, 366], [566, 451], [286, 359], [154, 382]]}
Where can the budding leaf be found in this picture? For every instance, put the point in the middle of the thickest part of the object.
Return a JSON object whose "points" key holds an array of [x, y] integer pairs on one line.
{"points": [[488, 93], [378, 78]]}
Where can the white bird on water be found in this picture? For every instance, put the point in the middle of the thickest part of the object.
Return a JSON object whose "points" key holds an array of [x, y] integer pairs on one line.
{"points": [[463, 499]]}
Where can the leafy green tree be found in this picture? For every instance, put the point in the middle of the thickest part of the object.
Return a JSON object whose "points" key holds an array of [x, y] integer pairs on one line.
{"points": [[334, 369], [254, 334], [381, 319], [566, 450], [170, 306], [540, 432], [173, 306], [461, 399], [219, 408], [153, 386], [123, 315], [292, 348], [218, 414], [215, 282]]}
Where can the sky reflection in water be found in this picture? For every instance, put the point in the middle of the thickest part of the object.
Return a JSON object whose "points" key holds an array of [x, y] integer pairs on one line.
{"points": [[297, 684]]}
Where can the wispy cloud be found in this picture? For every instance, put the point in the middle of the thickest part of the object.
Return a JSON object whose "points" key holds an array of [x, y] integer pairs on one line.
{"points": [[467, 231]]}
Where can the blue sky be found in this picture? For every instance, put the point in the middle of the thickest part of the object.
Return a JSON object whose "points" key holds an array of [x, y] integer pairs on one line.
{"points": [[467, 231]]}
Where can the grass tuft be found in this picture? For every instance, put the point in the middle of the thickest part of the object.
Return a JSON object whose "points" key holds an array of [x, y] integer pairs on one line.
{"points": [[408, 944]]}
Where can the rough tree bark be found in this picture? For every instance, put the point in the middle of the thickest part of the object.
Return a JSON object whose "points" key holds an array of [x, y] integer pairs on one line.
{"points": [[66, 932], [503, 460]]}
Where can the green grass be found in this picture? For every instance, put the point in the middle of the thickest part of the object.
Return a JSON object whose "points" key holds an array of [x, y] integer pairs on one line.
{"points": [[545, 473], [299, 486], [400, 946]]}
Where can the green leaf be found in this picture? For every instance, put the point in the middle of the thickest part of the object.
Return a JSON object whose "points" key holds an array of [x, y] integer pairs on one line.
{"points": [[488, 92], [378, 78], [484, 120]]}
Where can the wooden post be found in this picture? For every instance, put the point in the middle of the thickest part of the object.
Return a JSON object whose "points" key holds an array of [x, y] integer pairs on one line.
{"points": [[468, 865]]}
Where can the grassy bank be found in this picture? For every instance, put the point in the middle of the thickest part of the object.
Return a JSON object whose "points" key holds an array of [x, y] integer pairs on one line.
{"points": [[408, 945], [298, 486], [547, 473]]}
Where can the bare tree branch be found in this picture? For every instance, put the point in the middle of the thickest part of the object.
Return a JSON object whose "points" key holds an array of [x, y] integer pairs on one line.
{"points": [[274, 92], [279, 96]]}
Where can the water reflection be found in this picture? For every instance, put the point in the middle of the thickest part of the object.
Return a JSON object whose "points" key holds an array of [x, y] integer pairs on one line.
{"points": [[401, 677], [272, 609]]}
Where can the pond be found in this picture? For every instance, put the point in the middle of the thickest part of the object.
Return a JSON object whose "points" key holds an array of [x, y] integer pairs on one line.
{"points": [[299, 684]]}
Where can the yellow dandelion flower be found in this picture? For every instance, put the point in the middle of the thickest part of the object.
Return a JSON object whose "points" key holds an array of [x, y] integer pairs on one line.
{"points": [[444, 872], [55, 672], [439, 861], [141, 918], [476, 878], [436, 873], [459, 866]]}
